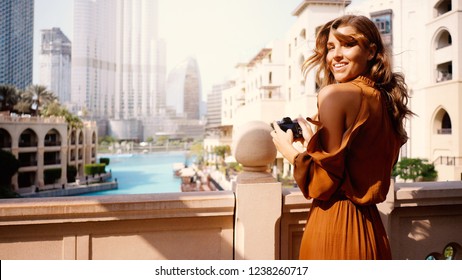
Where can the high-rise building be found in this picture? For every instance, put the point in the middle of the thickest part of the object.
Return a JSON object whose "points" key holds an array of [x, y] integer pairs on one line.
{"points": [[115, 55], [16, 42], [184, 89], [55, 63], [93, 57], [214, 106]]}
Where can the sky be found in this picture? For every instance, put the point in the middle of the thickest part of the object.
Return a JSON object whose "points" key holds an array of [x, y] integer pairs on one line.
{"points": [[218, 33]]}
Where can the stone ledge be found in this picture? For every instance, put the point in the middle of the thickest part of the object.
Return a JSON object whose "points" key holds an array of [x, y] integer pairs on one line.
{"points": [[428, 193], [116, 207], [294, 201]]}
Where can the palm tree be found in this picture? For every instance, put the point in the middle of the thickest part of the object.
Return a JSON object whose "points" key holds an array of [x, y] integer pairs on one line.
{"points": [[9, 96], [38, 97], [56, 109]]}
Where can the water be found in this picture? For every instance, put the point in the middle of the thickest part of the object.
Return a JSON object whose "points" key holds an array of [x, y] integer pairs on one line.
{"points": [[144, 173]]}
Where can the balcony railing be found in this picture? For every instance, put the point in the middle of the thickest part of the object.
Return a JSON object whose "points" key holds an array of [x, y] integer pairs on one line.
{"points": [[448, 160], [420, 219]]}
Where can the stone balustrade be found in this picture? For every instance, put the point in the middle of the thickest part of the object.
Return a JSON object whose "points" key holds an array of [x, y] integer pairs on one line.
{"points": [[258, 219]]}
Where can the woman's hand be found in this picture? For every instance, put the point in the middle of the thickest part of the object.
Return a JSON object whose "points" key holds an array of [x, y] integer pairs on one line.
{"points": [[307, 131], [283, 142]]}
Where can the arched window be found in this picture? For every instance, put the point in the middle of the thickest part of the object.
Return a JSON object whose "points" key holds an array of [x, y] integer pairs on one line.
{"points": [[28, 138], [53, 138], [442, 7], [80, 138], [442, 122], [5, 139], [443, 39]]}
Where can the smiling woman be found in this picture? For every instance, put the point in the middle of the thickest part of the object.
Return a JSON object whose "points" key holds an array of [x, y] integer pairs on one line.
{"points": [[347, 162]]}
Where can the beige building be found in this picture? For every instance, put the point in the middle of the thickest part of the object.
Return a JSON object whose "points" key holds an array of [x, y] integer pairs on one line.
{"points": [[42, 144], [425, 43], [423, 37]]}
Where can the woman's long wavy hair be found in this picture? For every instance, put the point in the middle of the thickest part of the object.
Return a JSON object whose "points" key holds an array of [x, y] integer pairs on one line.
{"points": [[392, 85]]}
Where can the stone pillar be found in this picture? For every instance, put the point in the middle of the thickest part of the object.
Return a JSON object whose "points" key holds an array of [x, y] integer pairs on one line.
{"points": [[258, 195]]}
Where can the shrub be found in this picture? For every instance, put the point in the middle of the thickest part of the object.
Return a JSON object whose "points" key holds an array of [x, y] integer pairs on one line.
{"points": [[51, 175], [71, 173], [9, 165], [104, 160], [415, 169], [95, 168]]}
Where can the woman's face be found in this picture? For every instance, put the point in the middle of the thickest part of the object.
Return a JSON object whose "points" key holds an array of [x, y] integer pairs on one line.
{"points": [[346, 60]]}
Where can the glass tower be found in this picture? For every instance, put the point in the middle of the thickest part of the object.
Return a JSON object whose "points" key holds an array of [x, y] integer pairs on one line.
{"points": [[16, 42]]}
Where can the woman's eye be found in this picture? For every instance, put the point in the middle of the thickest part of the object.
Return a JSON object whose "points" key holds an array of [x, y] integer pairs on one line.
{"points": [[350, 44]]}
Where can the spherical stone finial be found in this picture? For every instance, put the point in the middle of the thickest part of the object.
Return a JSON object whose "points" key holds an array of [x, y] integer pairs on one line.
{"points": [[253, 146]]}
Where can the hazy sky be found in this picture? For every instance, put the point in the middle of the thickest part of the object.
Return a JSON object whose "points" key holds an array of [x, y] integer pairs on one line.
{"points": [[218, 33]]}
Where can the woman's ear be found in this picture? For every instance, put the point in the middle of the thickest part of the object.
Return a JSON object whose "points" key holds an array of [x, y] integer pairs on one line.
{"points": [[372, 51]]}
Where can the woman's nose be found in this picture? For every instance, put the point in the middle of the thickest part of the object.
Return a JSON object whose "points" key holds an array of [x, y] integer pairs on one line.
{"points": [[338, 52]]}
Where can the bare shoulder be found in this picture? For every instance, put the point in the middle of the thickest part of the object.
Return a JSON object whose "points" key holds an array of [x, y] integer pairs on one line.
{"points": [[340, 91], [340, 101], [344, 92]]}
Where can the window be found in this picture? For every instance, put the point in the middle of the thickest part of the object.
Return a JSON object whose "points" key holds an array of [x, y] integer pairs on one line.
{"points": [[443, 40], [383, 21], [442, 122], [444, 72], [303, 34], [442, 7]]}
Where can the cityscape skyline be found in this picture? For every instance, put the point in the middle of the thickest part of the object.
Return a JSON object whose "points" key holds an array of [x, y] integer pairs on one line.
{"points": [[240, 30]]}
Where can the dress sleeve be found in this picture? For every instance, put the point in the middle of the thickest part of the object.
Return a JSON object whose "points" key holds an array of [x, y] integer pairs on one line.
{"points": [[317, 173]]}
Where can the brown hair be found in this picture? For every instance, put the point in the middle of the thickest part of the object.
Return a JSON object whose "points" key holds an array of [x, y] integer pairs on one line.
{"points": [[392, 85]]}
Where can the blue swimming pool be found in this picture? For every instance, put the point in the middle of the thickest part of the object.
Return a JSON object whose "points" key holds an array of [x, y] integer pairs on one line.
{"points": [[144, 173]]}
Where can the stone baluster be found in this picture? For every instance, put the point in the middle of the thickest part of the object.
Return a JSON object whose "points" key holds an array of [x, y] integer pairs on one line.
{"points": [[258, 195]]}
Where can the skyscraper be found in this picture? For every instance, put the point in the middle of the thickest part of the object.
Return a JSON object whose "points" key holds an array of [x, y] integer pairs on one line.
{"points": [[115, 58], [16, 42], [93, 57], [55, 63], [184, 89]]}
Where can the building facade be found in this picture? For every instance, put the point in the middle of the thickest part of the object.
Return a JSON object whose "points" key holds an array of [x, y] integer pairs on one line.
{"points": [[16, 42], [424, 39], [55, 63], [43, 144]]}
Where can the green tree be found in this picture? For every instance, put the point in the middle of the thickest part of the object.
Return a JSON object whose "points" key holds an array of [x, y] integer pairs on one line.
{"points": [[197, 150], [162, 140], [22, 107], [38, 97], [222, 151], [56, 109], [415, 169], [9, 97]]}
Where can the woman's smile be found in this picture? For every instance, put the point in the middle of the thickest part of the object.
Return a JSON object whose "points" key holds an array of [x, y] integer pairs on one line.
{"points": [[346, 59]]}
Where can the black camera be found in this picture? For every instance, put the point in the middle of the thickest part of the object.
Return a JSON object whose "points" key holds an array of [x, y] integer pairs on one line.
{"points": [[288, 123]]}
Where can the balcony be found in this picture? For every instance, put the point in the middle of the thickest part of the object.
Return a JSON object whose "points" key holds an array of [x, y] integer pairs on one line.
{"points": [[258, 219]]}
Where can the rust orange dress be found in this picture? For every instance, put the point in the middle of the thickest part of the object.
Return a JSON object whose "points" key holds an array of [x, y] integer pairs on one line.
{"points": [[346, 185]]}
